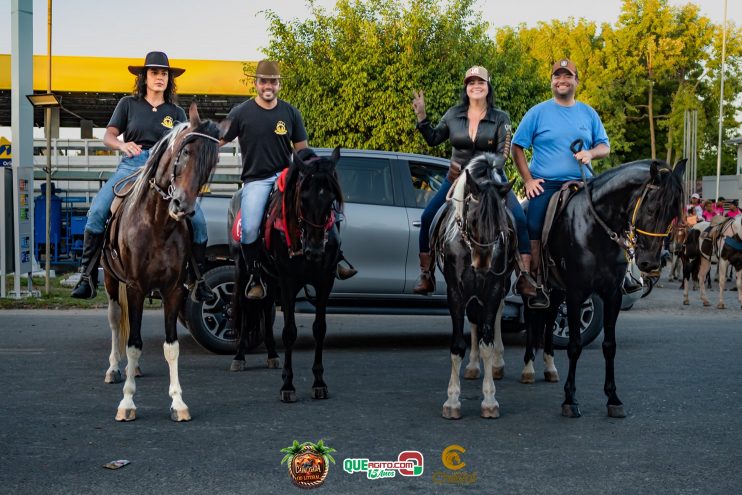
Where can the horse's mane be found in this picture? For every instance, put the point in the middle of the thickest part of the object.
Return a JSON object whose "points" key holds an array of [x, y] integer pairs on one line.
{"points": [[490, 203], [316, 169], [670, 195], [167, 143]]}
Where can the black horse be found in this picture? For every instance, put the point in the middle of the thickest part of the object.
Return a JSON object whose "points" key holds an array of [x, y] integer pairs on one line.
{"points": [[301, 248], [626, 211], [475, 242]]}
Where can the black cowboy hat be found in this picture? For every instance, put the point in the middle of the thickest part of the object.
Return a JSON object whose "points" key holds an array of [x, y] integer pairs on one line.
{"points": [[156, 59]]}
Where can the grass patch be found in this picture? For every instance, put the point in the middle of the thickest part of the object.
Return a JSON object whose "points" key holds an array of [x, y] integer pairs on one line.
{"points": [[58, 297]]}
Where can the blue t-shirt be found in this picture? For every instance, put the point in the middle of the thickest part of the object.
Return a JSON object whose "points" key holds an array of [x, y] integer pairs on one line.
{"points": [[550, 128]]}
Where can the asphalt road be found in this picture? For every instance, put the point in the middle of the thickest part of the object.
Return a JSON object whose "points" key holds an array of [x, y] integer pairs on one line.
{"points": [[678, 372]]}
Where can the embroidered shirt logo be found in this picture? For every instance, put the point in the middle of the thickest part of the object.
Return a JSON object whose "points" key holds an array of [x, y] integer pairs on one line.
{"points": [[167, 122], [280, 128]]}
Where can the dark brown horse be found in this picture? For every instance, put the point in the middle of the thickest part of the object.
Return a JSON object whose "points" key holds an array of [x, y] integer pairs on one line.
{"points": [[147, 245]]}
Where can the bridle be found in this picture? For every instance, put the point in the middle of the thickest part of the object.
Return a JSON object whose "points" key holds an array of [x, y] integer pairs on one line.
{"points": [[469, 239], [302, 220], [629, 241], [167, 196]]}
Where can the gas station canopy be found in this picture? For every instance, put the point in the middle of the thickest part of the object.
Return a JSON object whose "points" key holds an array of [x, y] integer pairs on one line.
{"points": [[90, 87]]}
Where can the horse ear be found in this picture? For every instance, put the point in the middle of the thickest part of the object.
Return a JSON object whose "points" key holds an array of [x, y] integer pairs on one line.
{"points": [[679, 168], [193, 117], [470, 182], [224, 127], [296, 160], [335, 154], [654, 169]]}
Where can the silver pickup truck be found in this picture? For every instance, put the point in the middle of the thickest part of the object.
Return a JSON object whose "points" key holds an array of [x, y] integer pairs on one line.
{"points": [[385, 194]]}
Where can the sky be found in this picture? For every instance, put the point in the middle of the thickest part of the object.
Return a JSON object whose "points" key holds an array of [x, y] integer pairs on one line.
{"points": [[238, 29]]}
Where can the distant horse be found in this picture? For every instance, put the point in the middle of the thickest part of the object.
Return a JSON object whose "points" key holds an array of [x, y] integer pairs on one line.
{"points": [[628, 209], [147, 245], [302, 249], [678, 235], [719, 241], [474, 242]]}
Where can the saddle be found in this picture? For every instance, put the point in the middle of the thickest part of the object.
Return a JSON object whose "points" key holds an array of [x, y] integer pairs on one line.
{"points": [[557, 203], [710, 245]]}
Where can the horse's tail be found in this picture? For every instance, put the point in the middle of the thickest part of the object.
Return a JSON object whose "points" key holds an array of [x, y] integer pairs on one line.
{"points": [[124, 327]]}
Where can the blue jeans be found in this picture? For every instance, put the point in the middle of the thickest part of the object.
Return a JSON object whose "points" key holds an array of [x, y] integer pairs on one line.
{"points": [[100, 208], [524, 244], [253, 201], [537, 208]]}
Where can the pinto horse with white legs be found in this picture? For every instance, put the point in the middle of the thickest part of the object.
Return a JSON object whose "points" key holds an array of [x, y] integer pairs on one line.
{"points": [[147, 245], [622, 213], [719, 241], [475, 242]]}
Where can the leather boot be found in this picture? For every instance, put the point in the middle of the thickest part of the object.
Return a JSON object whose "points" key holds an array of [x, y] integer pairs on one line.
{"points": [[255, 288], [200, 290], [427, 275], [86, 288], [525, 285], [541, 299]]}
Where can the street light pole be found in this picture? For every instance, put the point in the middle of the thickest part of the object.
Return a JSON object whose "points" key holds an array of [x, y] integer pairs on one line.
{"points": [[721, 98], [47, 131]]}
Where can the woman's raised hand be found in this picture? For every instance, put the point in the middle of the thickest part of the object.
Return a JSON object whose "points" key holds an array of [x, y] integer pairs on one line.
{"points": [[418, 104]]}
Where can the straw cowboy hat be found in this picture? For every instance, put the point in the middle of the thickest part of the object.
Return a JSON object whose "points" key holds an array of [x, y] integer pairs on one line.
{"points": [[156, 60]]}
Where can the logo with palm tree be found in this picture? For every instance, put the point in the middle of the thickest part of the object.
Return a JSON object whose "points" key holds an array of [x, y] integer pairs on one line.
{"points": [[308, 463]]}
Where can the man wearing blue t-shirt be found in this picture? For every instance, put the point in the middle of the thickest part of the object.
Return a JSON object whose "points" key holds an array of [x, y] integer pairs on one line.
{"points": [[549, 128]]}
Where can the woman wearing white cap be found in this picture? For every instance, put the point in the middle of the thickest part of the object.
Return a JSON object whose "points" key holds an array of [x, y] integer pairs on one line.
{"points": [[473, 127], [695, 203]]}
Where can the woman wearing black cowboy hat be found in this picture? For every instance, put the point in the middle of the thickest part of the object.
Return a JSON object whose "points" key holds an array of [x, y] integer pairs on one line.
{"points": [[143, 118]]}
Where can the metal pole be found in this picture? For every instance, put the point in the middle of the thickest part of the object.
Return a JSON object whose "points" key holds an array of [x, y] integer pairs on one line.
{"points": [[721, 98], [47, 131]]}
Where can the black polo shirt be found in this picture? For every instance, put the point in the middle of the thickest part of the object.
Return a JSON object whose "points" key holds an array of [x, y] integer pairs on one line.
{"points": [[265, 136], [142, 123]]}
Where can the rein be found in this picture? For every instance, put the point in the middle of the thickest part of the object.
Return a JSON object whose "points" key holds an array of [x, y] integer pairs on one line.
{"points": [[469, 240], [629, 242]]}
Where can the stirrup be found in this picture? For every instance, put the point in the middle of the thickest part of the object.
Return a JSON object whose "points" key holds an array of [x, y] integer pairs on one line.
{"points": [[84, 278], [198, 296], [541, 300], [251, 285], [343, 273]]}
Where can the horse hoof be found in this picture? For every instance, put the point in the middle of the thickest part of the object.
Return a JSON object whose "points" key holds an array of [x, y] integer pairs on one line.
{"points": [[571, 411], [721, 306], [498, 373], [451, 412], [551, 376], [178, 416], [126, 415], [490, 412], [113, 376], [274, 363], [686, 303], [319, 392], [528, 378], [706, 303], [288, 396], [616, 411], [237, 365], [137, 372], [471, 373]]}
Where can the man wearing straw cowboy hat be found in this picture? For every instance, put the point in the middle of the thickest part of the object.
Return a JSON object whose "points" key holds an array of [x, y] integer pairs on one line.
{"points": [[267, 129], [141, 119]]}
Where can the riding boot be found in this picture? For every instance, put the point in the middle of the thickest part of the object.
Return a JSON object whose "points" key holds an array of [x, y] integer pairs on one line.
{"points": [[525, 285], [86, 288], [200, 290], [255, 288], [541, 299], [427, 275]]}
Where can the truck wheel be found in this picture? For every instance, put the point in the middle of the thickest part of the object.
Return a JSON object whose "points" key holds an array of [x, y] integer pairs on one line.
{"points": [[591, 322], [210, 324]]}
